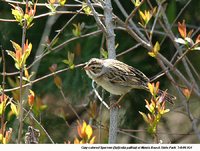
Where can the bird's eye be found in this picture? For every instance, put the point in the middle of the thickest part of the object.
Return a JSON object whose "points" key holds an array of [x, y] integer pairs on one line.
{"points": [[93, 67]]}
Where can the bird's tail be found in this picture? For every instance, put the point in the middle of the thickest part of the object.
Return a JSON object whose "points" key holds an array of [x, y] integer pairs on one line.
{"points": [[166, 96]]}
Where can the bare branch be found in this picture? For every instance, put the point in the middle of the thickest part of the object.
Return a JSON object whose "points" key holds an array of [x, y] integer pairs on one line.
{"points": [[44, 77], [96, 16]]}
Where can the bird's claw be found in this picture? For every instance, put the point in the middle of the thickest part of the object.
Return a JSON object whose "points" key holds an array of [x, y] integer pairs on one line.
{"points": [[115, 105]]}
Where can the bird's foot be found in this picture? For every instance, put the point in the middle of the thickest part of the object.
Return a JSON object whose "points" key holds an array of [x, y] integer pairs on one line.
{"points": [[115, 105]]}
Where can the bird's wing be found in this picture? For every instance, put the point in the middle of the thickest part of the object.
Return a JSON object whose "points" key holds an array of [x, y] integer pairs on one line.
{"points": [[126, 75]]}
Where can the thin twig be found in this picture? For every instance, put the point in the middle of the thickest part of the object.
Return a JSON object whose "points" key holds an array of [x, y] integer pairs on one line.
{"points": [[31, 115], [192, 67], [69, 104], [44, 4], [21, 80], [56, 48], [7, 20], [99, 97], [180, 12], [133, 136], [178, 73], [3, 88], [128, 50], [184, 101], [133, 13], [60, 31], [132, 24], [154, 23], [60, 13], [62, 45], [44, 77], [96, 16], [133, 34], [167, 28]]}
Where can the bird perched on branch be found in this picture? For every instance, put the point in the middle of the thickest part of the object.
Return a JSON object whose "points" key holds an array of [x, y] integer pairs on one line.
{"points": [[119, 78]]}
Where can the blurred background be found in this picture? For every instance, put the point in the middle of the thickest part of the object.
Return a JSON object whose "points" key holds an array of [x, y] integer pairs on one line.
{"points": [[50, 108]]}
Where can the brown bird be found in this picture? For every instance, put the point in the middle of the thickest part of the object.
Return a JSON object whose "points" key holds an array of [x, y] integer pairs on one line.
{"points": [[119, 78]]}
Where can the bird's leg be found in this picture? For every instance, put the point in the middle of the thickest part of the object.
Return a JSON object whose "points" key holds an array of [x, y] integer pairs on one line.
{"points": [[116, 104]]}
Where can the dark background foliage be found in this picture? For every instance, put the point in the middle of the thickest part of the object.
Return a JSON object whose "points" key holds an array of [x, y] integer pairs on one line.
{"points": [[76, 84]]}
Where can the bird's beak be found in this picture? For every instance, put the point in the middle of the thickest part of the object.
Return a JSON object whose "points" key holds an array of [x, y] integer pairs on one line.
{"points": [[86, 68]]}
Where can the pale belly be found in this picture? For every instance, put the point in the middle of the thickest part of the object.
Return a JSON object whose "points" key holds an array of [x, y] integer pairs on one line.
{"points": [[113, 88]]}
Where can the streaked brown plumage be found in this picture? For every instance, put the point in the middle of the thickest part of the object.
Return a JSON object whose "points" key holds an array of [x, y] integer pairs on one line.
{"points": [[118, 78]]}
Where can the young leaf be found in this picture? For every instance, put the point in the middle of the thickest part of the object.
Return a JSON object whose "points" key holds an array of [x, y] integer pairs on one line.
{"points": [[2, 107], [155, 50], [76, 141], [58, 81], [197, 39], [144, 117], [16, 46], [136, 2], [92, 140], [88, 131], [186, 93], [18, 14], [182, 29], [86, 9], [180, 41], [145, 17], [70, 60], [53, 67], [104, 53], [62, 2], [12, 54], [77, 30], [14, 108], [31, 97], [151, 88], [51, 7], [27, 51]]}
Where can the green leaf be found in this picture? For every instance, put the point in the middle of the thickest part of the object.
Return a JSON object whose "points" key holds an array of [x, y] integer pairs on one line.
{"points": [[88, 131], [65, 61], [70, 60], [62, 2], [16, 46], [156, 47], [136, 2], [12, 54], [2, 105], [144, 117], [86, 9], [29, 19], [14, 109], [17, 65], [51, 7], [104, 53], [25, 55], [77, 30], [43, 107], [1, 137], [18, 14], [155, 50], [164, 111]]}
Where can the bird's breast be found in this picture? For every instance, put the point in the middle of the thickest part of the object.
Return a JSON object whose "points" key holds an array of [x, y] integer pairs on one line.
{"points": [[113, 88]]}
